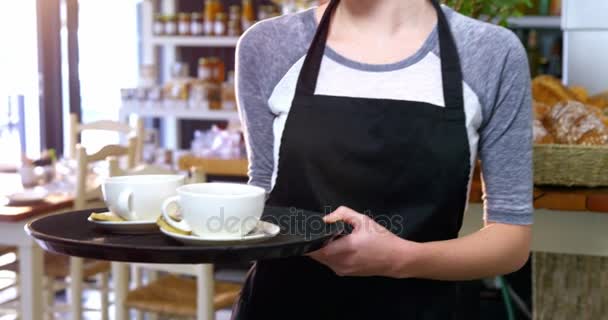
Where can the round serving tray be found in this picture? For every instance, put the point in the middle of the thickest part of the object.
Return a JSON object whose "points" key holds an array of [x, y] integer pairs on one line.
{"points": [[71, 234]]}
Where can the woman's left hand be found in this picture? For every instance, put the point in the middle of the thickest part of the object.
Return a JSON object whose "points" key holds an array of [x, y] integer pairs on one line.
{"points": [[370, 250]]}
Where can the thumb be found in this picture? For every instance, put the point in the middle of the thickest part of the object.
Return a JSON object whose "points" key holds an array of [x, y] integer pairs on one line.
{"points": [[347, 215]]}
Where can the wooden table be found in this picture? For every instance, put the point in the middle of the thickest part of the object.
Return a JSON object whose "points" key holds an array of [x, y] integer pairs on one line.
{"points": [[12, 222]]}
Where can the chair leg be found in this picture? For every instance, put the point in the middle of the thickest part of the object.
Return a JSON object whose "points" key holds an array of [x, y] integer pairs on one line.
{"points": [[48, 297], [75, 288], [151, 275], [102, 280], [204, 292], [136, 278]]}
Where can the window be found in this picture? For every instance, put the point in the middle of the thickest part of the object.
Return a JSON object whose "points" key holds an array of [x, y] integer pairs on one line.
{"points": [[108, 44], [19, 82]]}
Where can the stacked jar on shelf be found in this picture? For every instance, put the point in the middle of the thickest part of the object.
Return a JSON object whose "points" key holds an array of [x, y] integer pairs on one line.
{"points": [[214, 20], [210, 90]]}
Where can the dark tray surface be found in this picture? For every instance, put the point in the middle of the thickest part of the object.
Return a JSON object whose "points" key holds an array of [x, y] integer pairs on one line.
{"points": [[69, 233]]}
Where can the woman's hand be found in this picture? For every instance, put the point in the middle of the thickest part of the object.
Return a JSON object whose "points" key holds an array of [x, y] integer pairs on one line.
{"points": [[370, 250]]}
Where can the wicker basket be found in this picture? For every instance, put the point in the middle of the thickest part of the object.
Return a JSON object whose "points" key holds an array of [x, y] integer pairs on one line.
{"points": [[570, 165]]}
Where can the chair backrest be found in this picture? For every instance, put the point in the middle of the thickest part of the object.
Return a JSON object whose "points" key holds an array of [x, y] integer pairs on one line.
{"points": [[83, 192], [76, 128], [197, 174]]}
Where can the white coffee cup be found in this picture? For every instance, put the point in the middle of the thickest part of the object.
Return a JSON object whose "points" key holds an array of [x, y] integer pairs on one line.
{"points": [[216, 210], [139, 197]]}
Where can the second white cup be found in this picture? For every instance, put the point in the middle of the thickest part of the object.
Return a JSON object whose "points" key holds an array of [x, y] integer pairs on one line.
{"points": [[216, 210]]}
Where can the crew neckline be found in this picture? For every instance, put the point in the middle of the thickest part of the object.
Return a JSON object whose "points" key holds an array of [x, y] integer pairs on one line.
{"points": [[427, 46]]}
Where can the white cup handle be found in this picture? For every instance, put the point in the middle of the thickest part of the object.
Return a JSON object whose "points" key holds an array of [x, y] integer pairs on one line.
{"points": [[124, 205], [181, 225]]}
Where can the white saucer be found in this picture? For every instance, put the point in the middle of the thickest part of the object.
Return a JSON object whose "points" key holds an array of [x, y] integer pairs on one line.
{"points": [[126, 226], [29, 196], [263, 231]]}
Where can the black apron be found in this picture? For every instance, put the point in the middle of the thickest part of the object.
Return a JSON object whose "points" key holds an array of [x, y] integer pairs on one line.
{"points": [[405, 163]]}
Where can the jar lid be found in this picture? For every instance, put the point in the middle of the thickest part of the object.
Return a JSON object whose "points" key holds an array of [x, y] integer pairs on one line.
{"points": [[220, 16], [170, 17], [203, 60], [196, 15], [235, 8], [183, 15]]}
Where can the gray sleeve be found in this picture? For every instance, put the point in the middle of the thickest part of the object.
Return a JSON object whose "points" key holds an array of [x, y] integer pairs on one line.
{"points": [[252, 101], [264, 54], [505, 146]]}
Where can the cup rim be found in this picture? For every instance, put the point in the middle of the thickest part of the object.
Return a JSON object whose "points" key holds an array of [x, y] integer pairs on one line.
{"points": [[141, 179], [255, 190]]}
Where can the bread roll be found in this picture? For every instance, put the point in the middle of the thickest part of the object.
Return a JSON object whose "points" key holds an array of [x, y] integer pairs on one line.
{"points": [[580, 93], [550, 90], [541, 135], [574, 123], [540, 110]]}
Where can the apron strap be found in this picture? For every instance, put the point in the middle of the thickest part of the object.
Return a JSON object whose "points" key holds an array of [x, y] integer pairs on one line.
{"points": [[451, 71], [307, 81]]}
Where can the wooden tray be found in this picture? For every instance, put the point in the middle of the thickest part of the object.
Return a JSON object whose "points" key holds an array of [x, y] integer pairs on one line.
{"points": [[70, 234]]}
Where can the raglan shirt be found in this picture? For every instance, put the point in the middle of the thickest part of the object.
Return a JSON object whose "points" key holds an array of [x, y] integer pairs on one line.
{"points": [[496, 93]]}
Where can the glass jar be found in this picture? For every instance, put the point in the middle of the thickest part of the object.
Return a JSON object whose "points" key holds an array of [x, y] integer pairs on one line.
{"points": [[183, 24], [212, 7], [220, 26], [205, 69], [228, 93], [155, 93], [179, 70], [158, 26], [170, 25], [196, 24], [179, 86], [234, 13], [248, 14], [218, 74], [214, 95], [198, 95], [234, 28], [205, 95]]}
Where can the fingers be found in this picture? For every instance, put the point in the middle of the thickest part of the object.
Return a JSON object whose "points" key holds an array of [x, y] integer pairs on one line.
{"points": [[336, 255], [341, 246], [347, 215]]}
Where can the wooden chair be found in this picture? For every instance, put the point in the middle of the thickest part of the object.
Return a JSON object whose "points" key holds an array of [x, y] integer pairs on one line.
{"points": [[57, 268], [172, 295], [76, 128], [8, 281], [82, 199], [184, 295], [83, 192]]}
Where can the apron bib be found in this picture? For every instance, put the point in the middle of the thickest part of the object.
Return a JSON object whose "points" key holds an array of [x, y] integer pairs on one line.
{"points": [[404, 163]]}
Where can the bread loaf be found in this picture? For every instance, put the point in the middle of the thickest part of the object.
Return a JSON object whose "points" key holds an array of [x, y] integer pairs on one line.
{"points": [[575, 123]]}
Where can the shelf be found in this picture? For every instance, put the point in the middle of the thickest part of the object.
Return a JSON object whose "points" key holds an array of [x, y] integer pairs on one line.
{"points": [[535, 22], [195, 41], [176, 111]]}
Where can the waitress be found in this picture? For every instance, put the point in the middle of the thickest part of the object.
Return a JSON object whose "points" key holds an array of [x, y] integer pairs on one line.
{"points": [[376, 111]]}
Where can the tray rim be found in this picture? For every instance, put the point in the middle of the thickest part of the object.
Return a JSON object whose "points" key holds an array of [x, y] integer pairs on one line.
{"points": [[42, 237]]}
